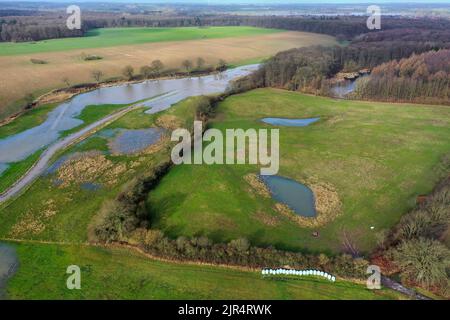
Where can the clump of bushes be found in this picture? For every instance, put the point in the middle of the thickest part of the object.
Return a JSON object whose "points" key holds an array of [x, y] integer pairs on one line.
{"points": [[38, 61], [205, 109], [423, 261], [92, 57], [118, 218], [240, 252]]}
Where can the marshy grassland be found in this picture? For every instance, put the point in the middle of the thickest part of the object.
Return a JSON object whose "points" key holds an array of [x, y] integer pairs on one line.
{"points": [[72, 208], [35, 117]]}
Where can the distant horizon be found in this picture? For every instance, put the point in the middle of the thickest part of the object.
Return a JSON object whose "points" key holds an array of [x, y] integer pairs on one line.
{"points": [[243, 2]]}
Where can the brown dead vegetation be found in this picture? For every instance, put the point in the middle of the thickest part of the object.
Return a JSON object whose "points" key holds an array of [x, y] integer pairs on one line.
{"points": [[88, 167], [257, 185], [34, 222]]}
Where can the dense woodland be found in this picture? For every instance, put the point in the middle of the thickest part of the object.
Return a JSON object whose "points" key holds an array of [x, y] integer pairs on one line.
{"points": [[21, 25], [420, 78], [312, 69]]}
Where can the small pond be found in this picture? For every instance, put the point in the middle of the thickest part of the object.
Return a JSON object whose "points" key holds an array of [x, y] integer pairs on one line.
{"points": [[346, 87], [295, 195], [91, 186], [8, 266], [134, 141], [290, 122]]}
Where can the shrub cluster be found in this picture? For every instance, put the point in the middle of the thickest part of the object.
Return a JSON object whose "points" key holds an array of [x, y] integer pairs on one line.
{"points": [[127, 212], [38, 61], [413, 247]]}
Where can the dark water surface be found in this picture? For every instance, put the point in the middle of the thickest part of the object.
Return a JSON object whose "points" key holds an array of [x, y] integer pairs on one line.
{"points": [[9, 264], [290, 122], [295, 195]]}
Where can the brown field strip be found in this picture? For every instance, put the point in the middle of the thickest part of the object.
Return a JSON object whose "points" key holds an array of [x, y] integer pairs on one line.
{"points": [[20, 77]]}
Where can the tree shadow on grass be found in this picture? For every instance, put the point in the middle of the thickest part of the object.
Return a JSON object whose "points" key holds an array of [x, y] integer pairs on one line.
{"points": [[163, 207]]}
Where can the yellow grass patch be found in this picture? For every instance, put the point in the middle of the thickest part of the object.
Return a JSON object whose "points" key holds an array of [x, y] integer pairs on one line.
{"points": [[32, 223], [266, 219], [169, 122], [89, 167], [257, 185]]}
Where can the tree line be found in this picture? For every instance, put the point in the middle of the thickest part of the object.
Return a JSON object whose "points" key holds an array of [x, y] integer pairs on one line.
{"points": [[312, 69], [49, 25]]}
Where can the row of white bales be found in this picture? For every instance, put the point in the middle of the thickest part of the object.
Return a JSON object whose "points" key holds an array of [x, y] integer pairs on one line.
{"points": [[299, 273]]}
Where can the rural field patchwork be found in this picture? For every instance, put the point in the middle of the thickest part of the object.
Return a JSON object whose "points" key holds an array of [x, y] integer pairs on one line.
{"points": [[118, 149], [136, 47]]}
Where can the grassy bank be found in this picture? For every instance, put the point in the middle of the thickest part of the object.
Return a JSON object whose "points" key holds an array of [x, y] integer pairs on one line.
{"points": [[121, 274]]}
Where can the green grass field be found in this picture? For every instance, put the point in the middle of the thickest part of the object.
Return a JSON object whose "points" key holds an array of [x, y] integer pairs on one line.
{"points": [[110, 37], [121, 274], [378, 156]]}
